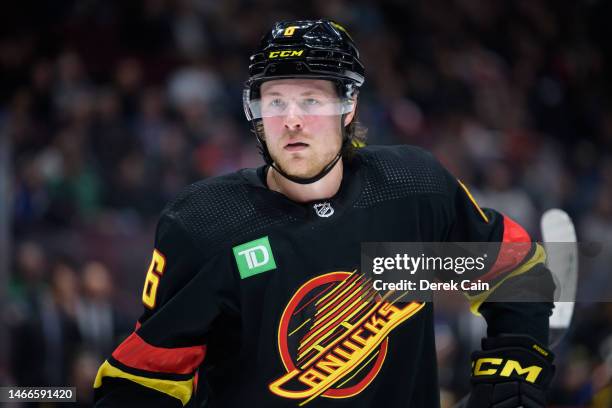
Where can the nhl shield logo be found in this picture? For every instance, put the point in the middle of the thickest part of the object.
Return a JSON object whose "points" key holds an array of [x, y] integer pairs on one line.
{"points": [[324, 209]]}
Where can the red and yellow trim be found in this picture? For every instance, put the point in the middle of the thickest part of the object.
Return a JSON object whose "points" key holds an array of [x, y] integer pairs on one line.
{"points": [[136, 353], [539, 256], [516, 245]]}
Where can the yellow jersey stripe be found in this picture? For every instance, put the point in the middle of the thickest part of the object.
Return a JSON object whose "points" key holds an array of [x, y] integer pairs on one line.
{"points": [[181, 390]]}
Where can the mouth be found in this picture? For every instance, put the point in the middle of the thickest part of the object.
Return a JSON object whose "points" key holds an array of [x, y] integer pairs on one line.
{"points": [[296, 147]]}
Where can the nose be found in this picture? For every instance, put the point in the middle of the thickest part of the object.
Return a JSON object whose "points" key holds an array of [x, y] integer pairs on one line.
{"points": [[293, 119]]}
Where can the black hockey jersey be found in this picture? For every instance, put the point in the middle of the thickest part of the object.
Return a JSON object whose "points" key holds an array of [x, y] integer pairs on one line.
{"points": [[252, 299]]}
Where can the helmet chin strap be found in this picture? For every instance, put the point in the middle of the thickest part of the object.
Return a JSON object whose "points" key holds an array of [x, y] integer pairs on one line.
{"points": [[309, 180]]}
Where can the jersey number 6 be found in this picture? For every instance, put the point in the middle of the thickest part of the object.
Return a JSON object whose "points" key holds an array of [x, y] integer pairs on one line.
{"points": [[156, 270]]}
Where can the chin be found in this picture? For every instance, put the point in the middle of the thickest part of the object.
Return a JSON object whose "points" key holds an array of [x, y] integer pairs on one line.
{"points": [[302, 173], [296, 170]]}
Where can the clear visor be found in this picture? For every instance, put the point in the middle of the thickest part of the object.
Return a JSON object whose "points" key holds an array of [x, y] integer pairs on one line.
{"points": [[315, 105]]}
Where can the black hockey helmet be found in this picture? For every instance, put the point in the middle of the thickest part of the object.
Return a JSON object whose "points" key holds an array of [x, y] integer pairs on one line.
{"points": [[317, 49]]}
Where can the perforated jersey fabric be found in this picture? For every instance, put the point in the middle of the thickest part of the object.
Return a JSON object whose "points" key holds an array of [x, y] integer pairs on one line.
{"points": [[215, 209], [221, 208], [397, 172], [225, 207]]}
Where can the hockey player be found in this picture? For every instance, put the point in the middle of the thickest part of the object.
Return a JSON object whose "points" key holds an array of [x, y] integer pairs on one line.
{"points": [[253, 296]]}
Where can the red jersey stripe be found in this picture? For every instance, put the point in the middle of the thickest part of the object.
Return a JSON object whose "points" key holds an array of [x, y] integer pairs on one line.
{"points": [[516, 244], [136, 353]]}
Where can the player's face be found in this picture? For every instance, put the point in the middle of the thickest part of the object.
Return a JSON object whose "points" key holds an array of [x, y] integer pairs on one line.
{"points": [[301, 122]]}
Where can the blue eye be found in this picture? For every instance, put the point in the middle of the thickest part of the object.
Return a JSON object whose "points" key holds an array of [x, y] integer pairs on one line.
{"points": [[277, 103], [311, 102]]}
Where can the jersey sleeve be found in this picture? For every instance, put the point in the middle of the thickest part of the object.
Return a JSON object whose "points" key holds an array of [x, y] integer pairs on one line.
{"points": [[516, 271], [181, 298]]}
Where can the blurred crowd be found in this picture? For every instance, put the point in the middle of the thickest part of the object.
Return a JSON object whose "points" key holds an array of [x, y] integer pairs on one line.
{"points": [[109, 108]]}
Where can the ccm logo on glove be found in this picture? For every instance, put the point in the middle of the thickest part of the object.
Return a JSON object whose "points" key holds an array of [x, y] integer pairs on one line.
{"points": [[492, 366]]}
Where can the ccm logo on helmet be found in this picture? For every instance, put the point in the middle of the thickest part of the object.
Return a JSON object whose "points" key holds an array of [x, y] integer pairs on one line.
{"points": [[285, 53], [490, 366]]}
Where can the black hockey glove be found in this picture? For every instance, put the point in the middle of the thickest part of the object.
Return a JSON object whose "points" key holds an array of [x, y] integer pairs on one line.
{"points": [[511, 371]]}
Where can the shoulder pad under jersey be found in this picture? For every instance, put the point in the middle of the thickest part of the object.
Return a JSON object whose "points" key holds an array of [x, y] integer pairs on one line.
{"points": [[394, 172], [222, 210]]}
